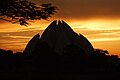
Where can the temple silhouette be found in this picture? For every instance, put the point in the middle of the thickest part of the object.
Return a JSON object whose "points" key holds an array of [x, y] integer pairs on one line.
{"points": [[58, 35], [59, 53]]}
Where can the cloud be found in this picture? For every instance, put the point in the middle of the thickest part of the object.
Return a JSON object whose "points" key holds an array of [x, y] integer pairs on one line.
{"points": [[100, 35], [26, 33], [86, 9], [16, 40]]}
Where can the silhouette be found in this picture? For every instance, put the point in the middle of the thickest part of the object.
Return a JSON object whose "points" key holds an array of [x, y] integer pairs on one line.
{"points": [[22, 11], [77, 60], [58, 36], [32, 43]]}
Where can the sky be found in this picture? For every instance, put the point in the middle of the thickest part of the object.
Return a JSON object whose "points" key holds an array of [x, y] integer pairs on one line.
{"points": [[97, 20]]}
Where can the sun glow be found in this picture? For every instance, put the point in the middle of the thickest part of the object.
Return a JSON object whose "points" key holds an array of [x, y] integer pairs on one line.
{"points": [[104, 34], [98, 32], [97, 24]]}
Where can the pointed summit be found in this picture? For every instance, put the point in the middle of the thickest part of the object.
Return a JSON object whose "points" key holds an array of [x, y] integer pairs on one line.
{"points": [[58, 35], [50, 34], [32, 44]]}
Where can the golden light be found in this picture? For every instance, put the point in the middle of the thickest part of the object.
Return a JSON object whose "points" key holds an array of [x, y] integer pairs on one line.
{"points": [[103, 34]]}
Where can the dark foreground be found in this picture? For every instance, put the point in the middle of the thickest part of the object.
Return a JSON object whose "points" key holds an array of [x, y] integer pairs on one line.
{"points": [[86, 76], [48, 65]]}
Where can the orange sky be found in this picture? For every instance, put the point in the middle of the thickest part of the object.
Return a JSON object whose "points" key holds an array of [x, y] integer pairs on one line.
{"points": [[98, 20]]}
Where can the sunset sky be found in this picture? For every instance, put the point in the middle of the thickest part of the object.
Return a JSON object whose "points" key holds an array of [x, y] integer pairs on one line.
{"points": [[97, 20]]}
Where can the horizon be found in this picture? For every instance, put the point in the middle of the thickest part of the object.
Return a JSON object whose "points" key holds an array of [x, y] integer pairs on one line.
{"points": [[96, 22]]}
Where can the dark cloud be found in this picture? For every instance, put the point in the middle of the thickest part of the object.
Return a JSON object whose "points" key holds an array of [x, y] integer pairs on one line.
{"points": [[3, 22], [21, 33], [96, 36], [85, 9], [16, 40]]}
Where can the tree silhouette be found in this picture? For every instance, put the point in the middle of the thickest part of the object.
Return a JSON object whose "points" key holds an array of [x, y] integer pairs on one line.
{"points": [[22, 11], [101, 52]]}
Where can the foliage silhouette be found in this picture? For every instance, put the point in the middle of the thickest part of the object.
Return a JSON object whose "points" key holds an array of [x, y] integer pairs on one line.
{"points": [[45, 60], [22, 11]]}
